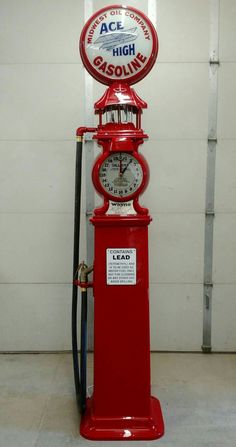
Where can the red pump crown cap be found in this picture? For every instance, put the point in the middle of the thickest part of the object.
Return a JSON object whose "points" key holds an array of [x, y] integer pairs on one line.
{"points": [[120, 93]]}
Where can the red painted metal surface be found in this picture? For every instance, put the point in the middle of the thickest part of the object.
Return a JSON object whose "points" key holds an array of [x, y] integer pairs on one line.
{"points": [[121, 406], [118, 137], [126, 428], [100, 160], [120, 93], [83, 285], [82, 130]]}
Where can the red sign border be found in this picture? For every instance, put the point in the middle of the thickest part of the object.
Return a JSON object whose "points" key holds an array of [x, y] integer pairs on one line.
{"points": [[105, 79]]}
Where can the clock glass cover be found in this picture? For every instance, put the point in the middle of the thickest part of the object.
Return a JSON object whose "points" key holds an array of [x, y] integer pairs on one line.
{"points": [[121, 174]]}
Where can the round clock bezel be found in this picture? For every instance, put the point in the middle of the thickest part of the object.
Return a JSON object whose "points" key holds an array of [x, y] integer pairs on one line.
{"points": [[102, 191]]}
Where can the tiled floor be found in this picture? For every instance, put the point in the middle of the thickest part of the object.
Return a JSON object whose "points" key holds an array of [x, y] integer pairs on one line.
{"points": [[197, 393]]}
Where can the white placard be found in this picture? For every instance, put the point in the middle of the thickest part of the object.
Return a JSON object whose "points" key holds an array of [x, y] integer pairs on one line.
{"points": [[121, 266]]}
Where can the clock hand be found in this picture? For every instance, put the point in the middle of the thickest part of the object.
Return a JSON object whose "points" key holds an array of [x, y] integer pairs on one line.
{"points": [[122, 172]]}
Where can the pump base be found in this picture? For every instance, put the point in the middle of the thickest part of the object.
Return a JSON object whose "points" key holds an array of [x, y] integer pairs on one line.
{"points": [[126, 428]]}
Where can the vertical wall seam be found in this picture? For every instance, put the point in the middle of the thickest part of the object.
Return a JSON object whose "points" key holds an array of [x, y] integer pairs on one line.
{"points": [[210, 175], [152, 12], [87, 96]]}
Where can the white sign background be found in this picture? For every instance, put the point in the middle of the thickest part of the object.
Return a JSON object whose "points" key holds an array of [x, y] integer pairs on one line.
{"points": [[121, 266]]}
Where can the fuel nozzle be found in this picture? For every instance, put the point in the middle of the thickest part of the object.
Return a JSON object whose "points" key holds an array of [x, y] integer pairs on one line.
{"points": [[84, 271]]}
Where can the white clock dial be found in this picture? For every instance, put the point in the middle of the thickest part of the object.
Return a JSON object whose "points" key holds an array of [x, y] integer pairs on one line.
{"points": [[121, 174]]}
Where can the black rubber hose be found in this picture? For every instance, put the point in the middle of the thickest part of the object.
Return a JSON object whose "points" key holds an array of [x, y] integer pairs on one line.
{"points": [[83, 350], [77, 206]]}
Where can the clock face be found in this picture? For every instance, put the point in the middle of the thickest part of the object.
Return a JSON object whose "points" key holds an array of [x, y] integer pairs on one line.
{"points": [[121, 174]]}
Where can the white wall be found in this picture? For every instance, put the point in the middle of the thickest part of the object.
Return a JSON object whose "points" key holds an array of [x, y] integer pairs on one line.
{"points": [[42, 84], [43, 102]]}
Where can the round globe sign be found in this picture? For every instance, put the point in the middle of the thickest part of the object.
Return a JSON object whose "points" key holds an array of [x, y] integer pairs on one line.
{"points": [[118, 43]]}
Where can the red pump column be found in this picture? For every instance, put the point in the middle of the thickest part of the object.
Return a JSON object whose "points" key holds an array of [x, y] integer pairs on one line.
{"points": [[122, 351], [122, 406]]}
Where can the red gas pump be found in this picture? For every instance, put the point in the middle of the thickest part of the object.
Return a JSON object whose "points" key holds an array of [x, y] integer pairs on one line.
{"points": [[118, 47]]}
